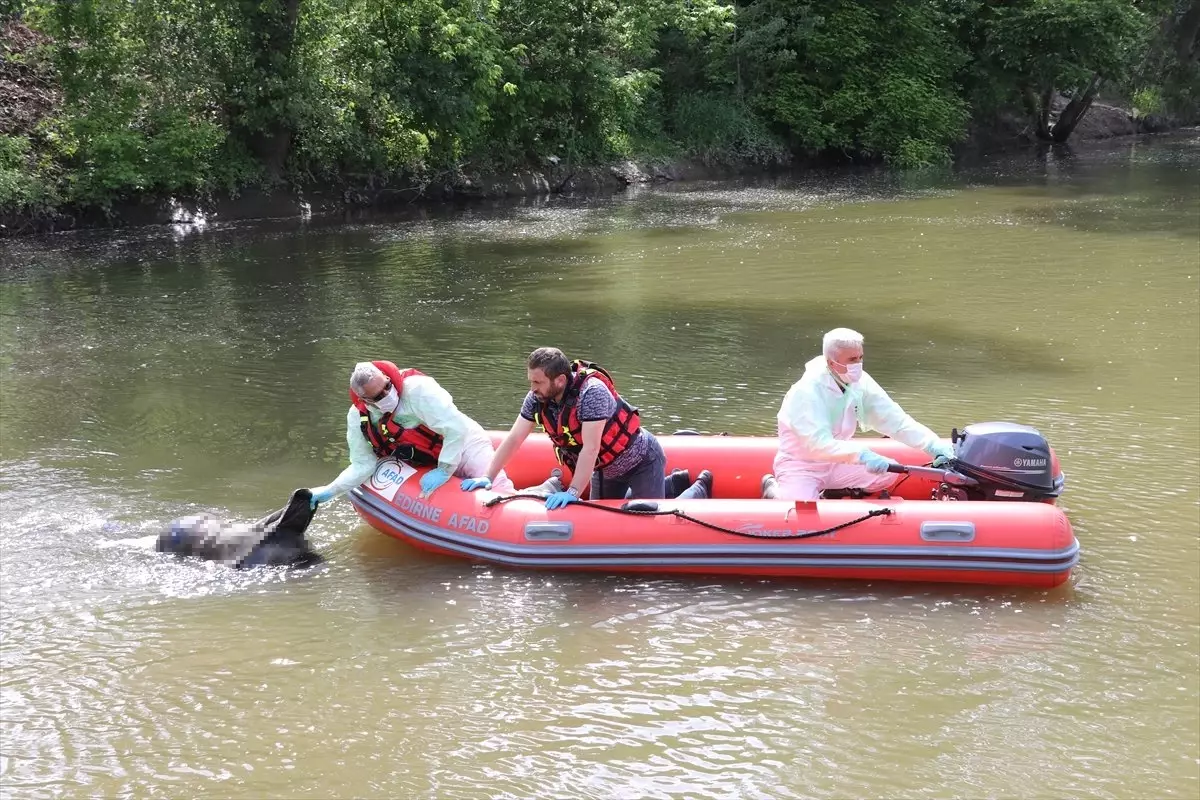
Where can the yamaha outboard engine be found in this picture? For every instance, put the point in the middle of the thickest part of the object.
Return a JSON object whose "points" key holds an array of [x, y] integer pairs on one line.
{"points": [[1009, 462]]}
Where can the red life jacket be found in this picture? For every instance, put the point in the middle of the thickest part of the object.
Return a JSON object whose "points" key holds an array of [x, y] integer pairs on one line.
{"points": [[420, 446], [566, 430]]}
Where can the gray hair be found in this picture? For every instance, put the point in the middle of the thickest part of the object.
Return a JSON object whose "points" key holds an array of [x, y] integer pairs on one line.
{"points": [[364, 372], [840, 339]]}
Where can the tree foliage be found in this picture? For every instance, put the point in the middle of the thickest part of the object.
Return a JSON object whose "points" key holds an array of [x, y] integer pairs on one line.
{"points": [[198, 96]]}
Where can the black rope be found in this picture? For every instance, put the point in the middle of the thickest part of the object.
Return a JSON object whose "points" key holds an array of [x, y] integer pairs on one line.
{"points": [[877, 512]]}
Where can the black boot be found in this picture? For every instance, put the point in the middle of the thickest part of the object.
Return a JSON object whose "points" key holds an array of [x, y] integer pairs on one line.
{"points": [[675, 483], [701, 489]]}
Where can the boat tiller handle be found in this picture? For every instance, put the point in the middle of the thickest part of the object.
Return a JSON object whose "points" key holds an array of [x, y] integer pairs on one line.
{"points": [[944, 475]]}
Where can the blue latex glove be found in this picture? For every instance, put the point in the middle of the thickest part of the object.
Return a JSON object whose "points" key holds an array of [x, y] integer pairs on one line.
{"points": [[941, 452], [179, 532], [560, 500], [874, 462], [471, 484], [319, 495], [433, 479]]}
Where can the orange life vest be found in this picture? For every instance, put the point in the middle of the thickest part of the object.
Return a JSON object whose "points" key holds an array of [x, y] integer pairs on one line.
{"points": [[418, 446], [566, 429]]}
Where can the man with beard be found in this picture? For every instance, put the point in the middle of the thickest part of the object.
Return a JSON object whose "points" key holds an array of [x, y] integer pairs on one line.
{"points": [[596, 433]]}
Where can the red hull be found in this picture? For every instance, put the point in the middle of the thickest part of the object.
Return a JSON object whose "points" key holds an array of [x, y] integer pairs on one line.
{"points": [[901, 538]]}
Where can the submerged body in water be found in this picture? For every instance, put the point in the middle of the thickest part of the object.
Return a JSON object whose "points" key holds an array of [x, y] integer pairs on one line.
{"points": [[276, 540]]}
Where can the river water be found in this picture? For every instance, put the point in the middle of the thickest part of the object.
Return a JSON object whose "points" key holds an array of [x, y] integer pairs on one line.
{"points": [[156, 372]]}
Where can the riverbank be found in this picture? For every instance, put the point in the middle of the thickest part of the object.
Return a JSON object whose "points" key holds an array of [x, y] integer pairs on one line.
{"points": [[162, 113], [319, 201], [1109, 127]]}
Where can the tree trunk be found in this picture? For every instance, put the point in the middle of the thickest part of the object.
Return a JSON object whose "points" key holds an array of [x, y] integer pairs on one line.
{"points": [[265, 121], [1044, 118], [1187, 33], [1038, 108], [1075, 110]]}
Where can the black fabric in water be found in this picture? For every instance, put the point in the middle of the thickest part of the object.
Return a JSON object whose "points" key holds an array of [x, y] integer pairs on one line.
{"points": [[274, 540]]}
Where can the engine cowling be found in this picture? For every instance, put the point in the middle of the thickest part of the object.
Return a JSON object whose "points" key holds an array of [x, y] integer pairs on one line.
{"points": [[1010, 462]]}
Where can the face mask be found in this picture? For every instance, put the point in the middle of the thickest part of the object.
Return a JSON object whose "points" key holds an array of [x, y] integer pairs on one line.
{"points": [[851, 375], [389, 402]]}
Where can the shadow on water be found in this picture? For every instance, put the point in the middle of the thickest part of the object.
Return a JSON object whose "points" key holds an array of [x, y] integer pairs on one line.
{"points": [[1115, 188], [318, 292], [1122, 214], [352, 292], [760, 336]]}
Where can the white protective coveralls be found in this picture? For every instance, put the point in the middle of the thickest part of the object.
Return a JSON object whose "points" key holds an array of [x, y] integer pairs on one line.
{"points": [[817, 420], [466, 448]]}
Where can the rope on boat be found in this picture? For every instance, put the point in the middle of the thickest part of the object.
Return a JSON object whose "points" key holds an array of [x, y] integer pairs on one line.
{"points": [[877, 512]]}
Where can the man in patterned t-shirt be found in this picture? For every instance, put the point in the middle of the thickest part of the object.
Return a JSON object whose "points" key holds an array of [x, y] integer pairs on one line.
{"points": [[596, 432]]}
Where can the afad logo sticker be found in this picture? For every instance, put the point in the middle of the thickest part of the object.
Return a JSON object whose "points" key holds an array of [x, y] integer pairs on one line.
{"points": [[389, 476]]}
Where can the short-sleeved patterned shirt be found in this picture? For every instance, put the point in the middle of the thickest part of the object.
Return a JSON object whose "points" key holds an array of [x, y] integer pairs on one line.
{"points": [[596, 402]]}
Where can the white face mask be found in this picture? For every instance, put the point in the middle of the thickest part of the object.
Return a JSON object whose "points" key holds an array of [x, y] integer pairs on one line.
{"points": [[389, 401], [851, 375]]}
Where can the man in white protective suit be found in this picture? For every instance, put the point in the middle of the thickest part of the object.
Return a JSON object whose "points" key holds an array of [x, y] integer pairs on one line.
{"points": [[406, 414], [820, 414]]}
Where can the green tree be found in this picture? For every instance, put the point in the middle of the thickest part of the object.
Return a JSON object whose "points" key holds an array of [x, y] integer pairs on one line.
{"points": [[262, 78], [873, 80], [1040, 46], [1167, 79], [165, 97]]}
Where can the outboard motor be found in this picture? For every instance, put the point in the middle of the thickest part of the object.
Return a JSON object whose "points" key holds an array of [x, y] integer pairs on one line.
{"points": [[1007, 460]]}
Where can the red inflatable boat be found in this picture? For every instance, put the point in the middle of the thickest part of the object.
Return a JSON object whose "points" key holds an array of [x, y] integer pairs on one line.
{"points": [[1003, 529]]}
